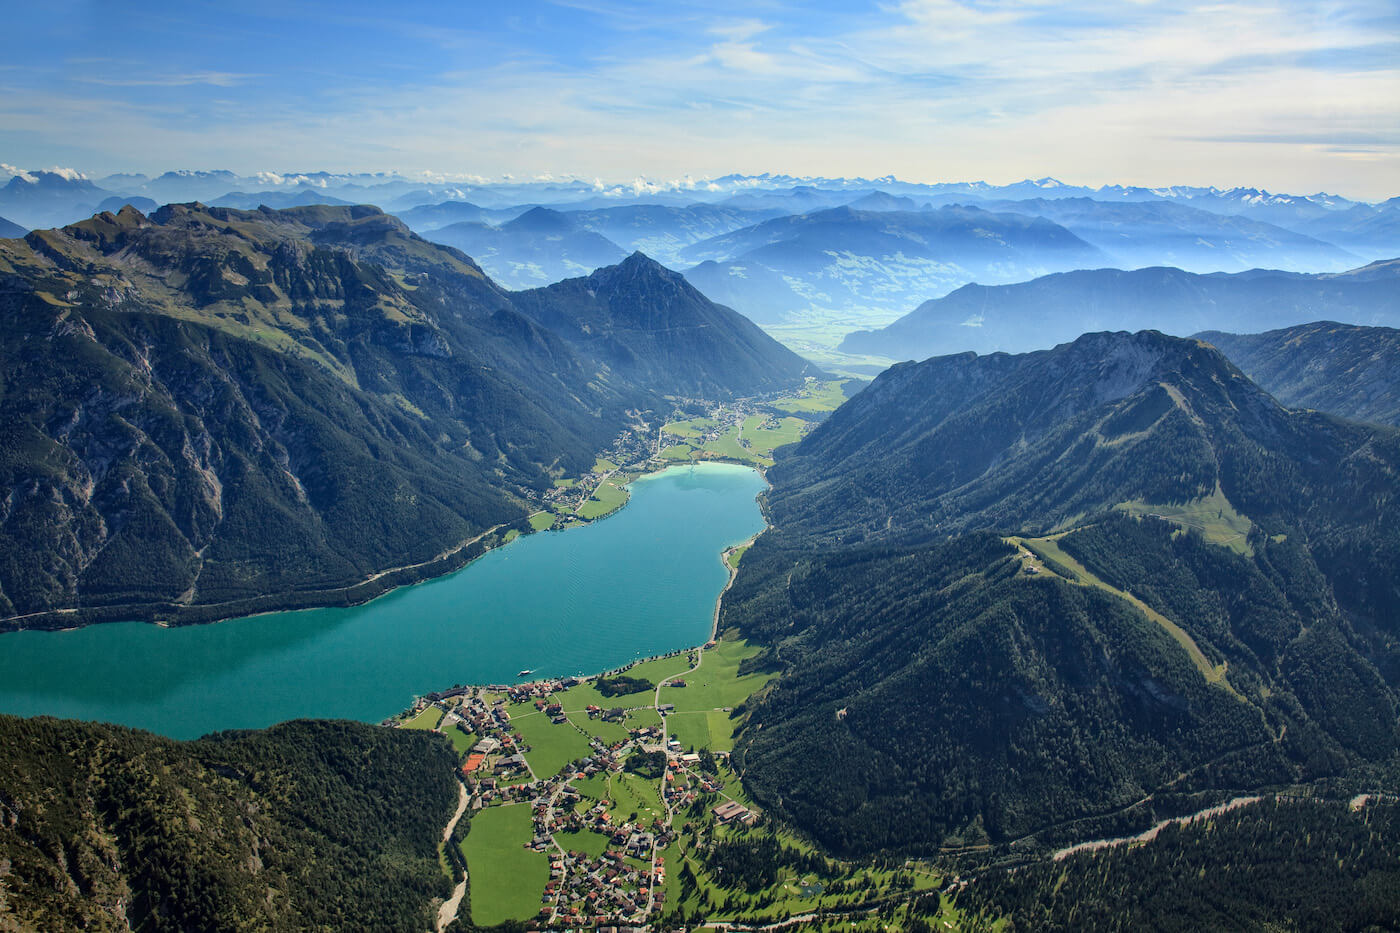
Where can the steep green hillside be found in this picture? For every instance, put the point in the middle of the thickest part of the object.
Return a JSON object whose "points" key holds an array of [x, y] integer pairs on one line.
{"points": [[208, 411], [1304, 865], [308, 825], [209, 405], [649, 325], [1338, 368], [1033, 443], [1002, 611]]}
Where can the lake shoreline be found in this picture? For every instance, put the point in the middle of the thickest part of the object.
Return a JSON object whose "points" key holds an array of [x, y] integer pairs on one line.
{"points": [[644, 584], [349, 596]]}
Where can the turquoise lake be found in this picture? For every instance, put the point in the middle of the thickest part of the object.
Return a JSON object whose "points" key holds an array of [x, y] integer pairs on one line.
{"points": [[641, 582]]}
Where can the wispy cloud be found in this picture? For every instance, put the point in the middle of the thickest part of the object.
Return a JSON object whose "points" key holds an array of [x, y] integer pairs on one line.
{"points": [[212, 78], [1281, 93]]}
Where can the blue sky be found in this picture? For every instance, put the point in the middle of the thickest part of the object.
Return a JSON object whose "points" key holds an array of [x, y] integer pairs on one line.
{"points": [[1293, 96]]}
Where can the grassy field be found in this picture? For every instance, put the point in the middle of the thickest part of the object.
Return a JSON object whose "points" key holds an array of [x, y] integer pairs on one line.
{"points": [[541, 520], [610, 732], [818, 396], [736, 555], [678, 452], [727, 445], [603, 466], [593, 789], [764, 440], [712, 729], [428, 719], [608, 497], [551, 746], [695, 427], [1213, 516], [506, 879], [717, 683], [461, 741], [631, 794], [589, 843], [576, 698]]}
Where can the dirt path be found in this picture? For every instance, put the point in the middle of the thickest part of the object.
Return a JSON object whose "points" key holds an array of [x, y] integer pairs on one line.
{"points": [[1150, 834], [448, 911]]}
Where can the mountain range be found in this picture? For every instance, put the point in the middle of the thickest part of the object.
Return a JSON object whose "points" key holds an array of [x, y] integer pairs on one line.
{"points": [[537, 248], [1051, 309], [1036, 599], [1342, 369], [877, 260], [182, 383], [1152, 226], [1165, 233]]}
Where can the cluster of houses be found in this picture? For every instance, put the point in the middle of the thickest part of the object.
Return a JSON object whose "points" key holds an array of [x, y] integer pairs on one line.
{"points": [[628, 448], [683, 785], [583, 890], [597, 890]]}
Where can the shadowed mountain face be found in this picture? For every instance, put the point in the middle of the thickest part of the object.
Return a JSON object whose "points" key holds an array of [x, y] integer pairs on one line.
{"points": [[1058, 595], [1037, 314], [767, 297], [649, 325], [210, 406], [1337, 368], [10, 230]]}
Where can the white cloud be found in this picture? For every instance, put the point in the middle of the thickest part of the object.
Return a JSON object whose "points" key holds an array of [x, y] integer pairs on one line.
{"points": [[740, 30], [212, 78], [1262, 92]]}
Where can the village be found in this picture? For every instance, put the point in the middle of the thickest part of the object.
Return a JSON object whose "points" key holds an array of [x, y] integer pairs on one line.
{"points": [[610, 802], [604, 865]]}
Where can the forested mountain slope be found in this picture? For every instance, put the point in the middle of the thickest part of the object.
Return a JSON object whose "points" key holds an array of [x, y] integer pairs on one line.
{"points": [[1295, 864], [649, 325], [208, 408], [307, 825], [1061, 594], [1338, 368]]}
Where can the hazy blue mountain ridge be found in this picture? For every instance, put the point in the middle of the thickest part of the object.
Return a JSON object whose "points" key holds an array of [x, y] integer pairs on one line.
{"points": [[1056, 308]]}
